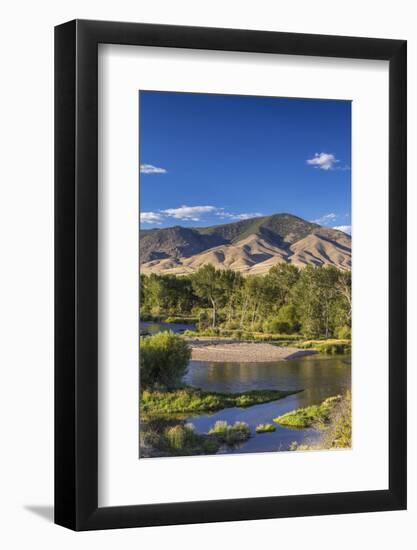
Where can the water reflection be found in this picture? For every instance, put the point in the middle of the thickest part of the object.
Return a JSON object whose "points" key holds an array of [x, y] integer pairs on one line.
{"points": [[319, 377]]}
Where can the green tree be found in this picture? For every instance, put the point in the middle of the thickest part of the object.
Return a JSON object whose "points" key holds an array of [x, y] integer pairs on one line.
{"points": [[230, 282], [206, 284], [166, 294], [280, 280], [314, 296], [164, 359]]}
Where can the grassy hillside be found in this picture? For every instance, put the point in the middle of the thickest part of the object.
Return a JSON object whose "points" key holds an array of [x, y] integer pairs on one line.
{"points": [[182, 242]]}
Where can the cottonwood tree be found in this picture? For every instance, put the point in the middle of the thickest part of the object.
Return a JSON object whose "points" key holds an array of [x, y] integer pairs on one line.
{"points": [[206, 283]]}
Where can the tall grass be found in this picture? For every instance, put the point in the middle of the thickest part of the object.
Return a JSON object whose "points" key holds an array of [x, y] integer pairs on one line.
{"points": [[331, 346], [182, 439], [306, 417], [230, 434], [265, 428], [335, 425], [188, 399]]}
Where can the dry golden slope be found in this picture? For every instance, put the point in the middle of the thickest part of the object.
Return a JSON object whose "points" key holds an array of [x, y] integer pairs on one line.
{"points": [[254, 255]]}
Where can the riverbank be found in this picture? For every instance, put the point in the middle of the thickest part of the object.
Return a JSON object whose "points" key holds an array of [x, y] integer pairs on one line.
{"points": [[312, 416], [319, 376], [193, 400], [232, 350], [182, 439], [333, 417]]}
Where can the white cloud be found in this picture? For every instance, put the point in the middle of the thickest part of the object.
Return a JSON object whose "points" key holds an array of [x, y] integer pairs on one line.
{"points": [[345, 228], [323, 161], [151, 169], [326, 219], [192, 213], [244, 216], [151, 217], [247, 215]]}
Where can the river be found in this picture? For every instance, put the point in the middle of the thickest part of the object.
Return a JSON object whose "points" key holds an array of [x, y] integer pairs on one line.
{"points": [[319, 376]]}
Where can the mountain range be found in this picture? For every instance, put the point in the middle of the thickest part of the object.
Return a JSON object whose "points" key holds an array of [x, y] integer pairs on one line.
{"points": [[251, 246]]}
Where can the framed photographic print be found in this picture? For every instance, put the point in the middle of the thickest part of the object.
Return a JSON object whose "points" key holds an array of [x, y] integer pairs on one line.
{"points": [[230, 275]]}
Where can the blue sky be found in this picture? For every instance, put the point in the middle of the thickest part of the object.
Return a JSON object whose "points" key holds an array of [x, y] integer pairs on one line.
{"points": [[210, 159]]}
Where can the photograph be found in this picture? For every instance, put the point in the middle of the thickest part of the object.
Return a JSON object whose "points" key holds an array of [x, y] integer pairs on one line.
{"points": [[208, 241], [245, 262]]}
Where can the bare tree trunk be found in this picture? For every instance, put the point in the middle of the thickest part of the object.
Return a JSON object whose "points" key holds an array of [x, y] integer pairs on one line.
{"points": [[242, 316], [213, 304], [254, 314]]}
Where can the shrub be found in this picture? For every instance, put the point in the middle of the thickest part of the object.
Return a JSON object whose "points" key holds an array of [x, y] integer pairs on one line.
{"points": [[334, 347], [181, 320], [336, 425], [339, 431], [282, 327], [184, 440], [264, 428], [288, 314], [327, 346], [204, 320], [220, 427], [213, 331], [285, 322], [344, 333], [170, 319], [164, 358], [176, 437], [313, 415], [229, 434], [258, 326]]}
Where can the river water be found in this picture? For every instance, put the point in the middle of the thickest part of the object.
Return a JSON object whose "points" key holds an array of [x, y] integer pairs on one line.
{"points": [[318, 376]]}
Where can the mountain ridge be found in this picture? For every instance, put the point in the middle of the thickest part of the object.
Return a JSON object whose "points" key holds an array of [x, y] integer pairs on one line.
{"points": [[250, 246]]}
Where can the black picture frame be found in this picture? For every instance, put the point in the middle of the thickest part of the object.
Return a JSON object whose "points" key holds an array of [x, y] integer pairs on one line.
{"points": [[76, 272]]}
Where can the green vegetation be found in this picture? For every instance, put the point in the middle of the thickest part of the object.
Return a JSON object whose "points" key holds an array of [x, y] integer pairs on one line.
{"points": [[286, 225], [191, 400], [313, 303], [230, 434], [145, 316], [181, 320], [176, 440], [336, 426], [264, 428], [276, 338], [182, 439], [306, 308], [327, 346], [308, 417], [164, 359], [161, 436], [338, 433]]}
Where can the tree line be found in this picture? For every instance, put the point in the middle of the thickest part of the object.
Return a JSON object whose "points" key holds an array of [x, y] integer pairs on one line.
{"points": [[313, 301]]}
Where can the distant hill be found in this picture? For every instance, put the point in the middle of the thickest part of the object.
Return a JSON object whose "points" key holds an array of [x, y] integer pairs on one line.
{"points": [[250, 246]]}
